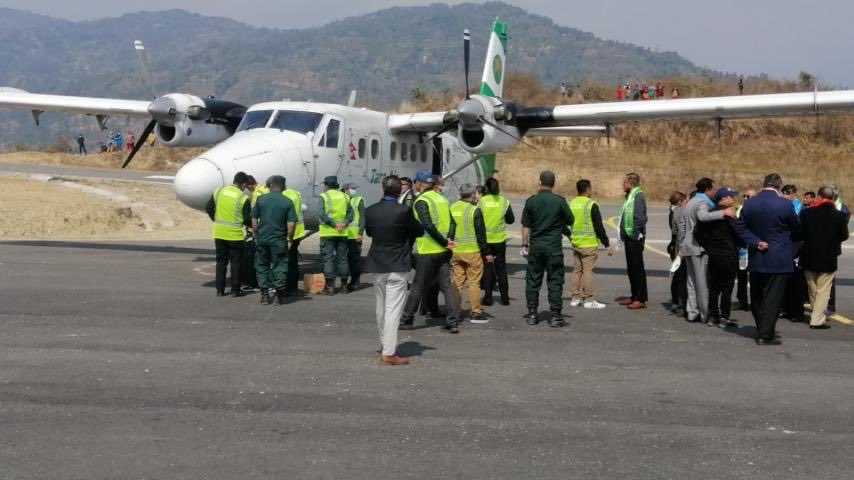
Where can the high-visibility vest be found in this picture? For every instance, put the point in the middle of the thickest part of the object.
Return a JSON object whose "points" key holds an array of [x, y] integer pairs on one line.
{"points": [[494, 208], [335, 205], [583, 233], [228, 218], [256, 194], [465, 238], [440, 214], [353, 229], [296, 198]]}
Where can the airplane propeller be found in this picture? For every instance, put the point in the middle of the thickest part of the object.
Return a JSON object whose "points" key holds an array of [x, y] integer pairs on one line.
{"points": [[467, 58], [140, 141]]}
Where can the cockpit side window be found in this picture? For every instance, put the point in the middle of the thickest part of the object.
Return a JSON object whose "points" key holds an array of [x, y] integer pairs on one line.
{"points": [[297, 121], [255, 119], [332, 133]]}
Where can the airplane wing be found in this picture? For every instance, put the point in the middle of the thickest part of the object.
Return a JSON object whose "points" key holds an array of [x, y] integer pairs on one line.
{"points": [[710, 108], [15, 99]]}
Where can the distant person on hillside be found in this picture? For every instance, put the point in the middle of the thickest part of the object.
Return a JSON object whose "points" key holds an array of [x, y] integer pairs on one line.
{"points": [[563, 89], [131, 141], [651, 91], [675, 93], [741, 85], [81, 144], [659, 90], [621, 94]]}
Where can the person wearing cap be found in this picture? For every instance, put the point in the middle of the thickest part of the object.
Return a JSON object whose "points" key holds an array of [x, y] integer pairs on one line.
{"points": [[299, 233], [354, 235], [336, 215], [230, 210], [693, 248], [273, 220], [469, 232], [433, 253], [497, 214], [545, 219], [721, 242]]}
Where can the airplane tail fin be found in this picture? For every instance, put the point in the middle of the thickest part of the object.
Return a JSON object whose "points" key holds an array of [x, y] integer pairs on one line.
{"points": [[492, 84]]}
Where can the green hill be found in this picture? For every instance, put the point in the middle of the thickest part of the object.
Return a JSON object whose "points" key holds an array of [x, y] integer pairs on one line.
{"points": [[384, 55]]}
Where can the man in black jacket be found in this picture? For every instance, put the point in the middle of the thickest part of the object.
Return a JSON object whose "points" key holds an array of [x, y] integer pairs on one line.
{"points": [[823, 228], [392, 229], [718, 238]]}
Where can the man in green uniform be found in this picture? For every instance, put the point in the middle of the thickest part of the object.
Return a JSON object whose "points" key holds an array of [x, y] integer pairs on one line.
{"points": [[545, 218], [273, 219], [230, 210], [299, 233], [354, 235], [336, 215]]}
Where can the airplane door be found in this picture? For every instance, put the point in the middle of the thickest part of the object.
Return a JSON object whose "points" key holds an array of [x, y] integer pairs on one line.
{"points": [[329, 152], [374, 170]]}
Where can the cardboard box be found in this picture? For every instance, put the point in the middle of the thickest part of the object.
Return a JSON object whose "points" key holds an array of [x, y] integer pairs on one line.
{"points": [[314, 283]]}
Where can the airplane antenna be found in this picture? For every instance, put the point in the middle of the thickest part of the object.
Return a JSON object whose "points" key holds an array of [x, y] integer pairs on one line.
{"points": [[351, 102], [145, 68], [467, 57]]}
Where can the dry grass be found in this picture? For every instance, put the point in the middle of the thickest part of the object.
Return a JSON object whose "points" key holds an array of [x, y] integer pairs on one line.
{"points": [[157, 159], [38, 210]]}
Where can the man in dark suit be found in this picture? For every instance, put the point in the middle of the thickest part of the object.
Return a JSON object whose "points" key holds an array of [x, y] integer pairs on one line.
{"points": [[769, 223], [824, 229], [393, 230]]}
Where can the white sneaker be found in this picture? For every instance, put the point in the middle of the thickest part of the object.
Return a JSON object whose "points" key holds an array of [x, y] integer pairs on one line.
{"points": [[594, 305], [575, 302]]}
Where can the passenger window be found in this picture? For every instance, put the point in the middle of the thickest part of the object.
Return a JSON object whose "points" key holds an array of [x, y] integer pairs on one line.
{"points": [[423, 153], [414, 153], [404, 152], [332, 133], [375, 149], [393, 151], [363, 145]]}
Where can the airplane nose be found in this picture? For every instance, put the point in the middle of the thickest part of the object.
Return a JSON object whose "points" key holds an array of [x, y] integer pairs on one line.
{"points": [[196, 181]]}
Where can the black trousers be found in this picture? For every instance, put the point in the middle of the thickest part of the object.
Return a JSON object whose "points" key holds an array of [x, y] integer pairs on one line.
{"points": [[742, 294], [228, 252], [354, 261], [248, 276], [679, 287], [796, 295], [293, 267], [766, 296], [636, 269], [496, 272], [432, 270], [722, 272]]}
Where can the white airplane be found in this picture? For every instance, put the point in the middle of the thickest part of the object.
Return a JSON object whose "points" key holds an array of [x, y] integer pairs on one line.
{"points": [[306, 141]]}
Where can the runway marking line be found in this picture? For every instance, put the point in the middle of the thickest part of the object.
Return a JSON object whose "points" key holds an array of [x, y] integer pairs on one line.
{"points": [[612, 222]]}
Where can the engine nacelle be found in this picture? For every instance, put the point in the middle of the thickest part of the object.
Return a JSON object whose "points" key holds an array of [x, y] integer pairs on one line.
{"points": [[190, 133], [487, 139], [481, 128]]}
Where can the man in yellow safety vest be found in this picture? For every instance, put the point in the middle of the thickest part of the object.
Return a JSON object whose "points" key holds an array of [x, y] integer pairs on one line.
{"points": [[354, 235], [497, 214], [336, 215], [231, 211], [588, 232], [469, 233], [433, 252]]}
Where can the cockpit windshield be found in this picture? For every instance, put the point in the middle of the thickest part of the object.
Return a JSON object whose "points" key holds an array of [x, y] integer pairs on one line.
{"points": [[255, 119], [297, 121]]}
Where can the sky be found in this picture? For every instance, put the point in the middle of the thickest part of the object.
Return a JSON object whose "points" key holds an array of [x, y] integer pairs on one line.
{"points": [[778, 37]]}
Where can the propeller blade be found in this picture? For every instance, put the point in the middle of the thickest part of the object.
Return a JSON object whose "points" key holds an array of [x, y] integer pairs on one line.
{"points": [[140, 141], [467, 57], [505, 132], [445, 129], [462, 167]]}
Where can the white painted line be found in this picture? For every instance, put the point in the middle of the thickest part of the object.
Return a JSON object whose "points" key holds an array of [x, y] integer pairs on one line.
{"points": [[161, 177]]}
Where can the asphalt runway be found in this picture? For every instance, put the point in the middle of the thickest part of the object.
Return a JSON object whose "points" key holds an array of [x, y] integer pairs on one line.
{"points": [[119, 362]]}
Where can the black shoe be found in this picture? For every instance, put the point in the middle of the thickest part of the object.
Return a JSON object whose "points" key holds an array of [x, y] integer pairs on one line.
{"points": [[329, 291], [505, 302], [351, 288], [487, 301], [407, 325], [823, 326], [768, 341], [727, 323], [532, 317], [556, 320], [220, 293], [281, 297], [479, 317], [236, 293], [453, 329], [265, 298]]}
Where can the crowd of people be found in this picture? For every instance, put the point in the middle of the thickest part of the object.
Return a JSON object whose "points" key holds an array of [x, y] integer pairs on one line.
{"points": [[779, 247], [634, 90]]}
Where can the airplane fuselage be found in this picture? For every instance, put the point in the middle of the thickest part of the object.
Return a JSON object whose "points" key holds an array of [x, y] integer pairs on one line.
{"points": [[306, 142]]}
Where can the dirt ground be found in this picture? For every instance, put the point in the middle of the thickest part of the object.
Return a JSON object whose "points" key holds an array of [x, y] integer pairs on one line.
{"points": [[160, 159], [33, 209]]}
